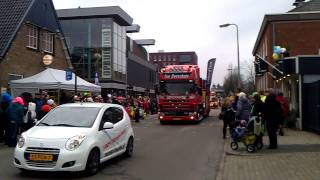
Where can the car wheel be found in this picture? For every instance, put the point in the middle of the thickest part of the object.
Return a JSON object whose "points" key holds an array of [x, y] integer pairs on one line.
{"points": [[129, 148], [93, 162]]}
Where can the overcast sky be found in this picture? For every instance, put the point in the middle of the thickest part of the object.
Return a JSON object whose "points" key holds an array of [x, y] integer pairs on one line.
{"points": [[193, 25]]}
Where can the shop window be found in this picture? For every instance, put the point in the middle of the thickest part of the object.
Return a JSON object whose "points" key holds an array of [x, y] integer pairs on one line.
{"points": [[32, 37]]}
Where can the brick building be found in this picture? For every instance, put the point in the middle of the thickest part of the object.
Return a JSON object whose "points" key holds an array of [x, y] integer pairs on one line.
{"points": [[173, 58], [29, 31], [297, 71], [297, 31]]}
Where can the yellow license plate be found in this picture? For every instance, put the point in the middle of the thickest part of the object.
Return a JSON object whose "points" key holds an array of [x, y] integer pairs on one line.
{"points": [[40, 157]]}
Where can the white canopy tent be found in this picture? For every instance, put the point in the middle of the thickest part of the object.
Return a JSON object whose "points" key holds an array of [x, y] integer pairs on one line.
{"points": [[51, 79]]}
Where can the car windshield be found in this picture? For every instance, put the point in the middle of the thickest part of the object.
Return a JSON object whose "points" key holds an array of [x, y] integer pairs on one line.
{"points": [[71, 117], [177, 88]]}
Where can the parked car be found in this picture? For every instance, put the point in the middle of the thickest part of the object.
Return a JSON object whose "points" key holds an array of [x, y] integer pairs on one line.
{"points": [[76, 137]]}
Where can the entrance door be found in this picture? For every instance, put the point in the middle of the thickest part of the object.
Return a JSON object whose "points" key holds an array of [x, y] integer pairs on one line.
{"points": [[311, 104]]}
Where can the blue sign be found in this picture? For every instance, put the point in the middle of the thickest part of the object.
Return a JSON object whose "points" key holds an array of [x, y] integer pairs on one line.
{"points": [[68, 74]]}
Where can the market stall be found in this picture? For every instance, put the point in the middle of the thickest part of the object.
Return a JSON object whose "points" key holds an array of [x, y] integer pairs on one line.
{"points": [[51, 79]]}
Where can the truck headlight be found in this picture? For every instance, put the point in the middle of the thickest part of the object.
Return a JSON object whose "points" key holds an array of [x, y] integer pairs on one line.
{"points": [[74, 142], [21, 141]]}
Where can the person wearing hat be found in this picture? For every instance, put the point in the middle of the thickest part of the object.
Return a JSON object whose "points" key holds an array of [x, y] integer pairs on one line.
{"points": [[243, 107], [14, 114]]}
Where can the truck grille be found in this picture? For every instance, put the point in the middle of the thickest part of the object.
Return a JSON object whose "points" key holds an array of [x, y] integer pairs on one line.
{"points": [[38, 150]]}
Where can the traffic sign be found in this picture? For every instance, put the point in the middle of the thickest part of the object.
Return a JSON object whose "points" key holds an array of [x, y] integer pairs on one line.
{"points": [[68, 74]]}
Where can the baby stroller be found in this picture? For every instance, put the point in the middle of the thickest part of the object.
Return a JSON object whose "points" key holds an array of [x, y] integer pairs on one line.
{"points": [[248, 134]]}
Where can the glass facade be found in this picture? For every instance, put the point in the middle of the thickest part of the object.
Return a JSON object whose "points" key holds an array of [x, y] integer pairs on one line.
{"points": [[97, 46]]}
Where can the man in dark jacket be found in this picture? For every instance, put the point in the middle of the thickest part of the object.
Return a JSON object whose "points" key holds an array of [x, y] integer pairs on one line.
{"points": [[256, 111], [272, 115], [5, 102], [14, 114]]}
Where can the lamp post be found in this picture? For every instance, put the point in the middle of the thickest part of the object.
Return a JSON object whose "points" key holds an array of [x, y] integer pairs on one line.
{"points": [[226, 25]]}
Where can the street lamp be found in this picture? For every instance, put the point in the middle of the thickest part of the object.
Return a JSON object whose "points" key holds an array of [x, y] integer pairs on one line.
{"points": [[226, 25]]}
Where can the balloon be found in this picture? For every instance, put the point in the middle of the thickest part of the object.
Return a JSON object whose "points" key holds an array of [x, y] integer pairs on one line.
{"points": [[277, 49], [283, 50], [275, 56]]}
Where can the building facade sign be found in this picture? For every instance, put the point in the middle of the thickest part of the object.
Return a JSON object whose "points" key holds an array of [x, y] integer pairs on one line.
{"points": [[106, 54]]}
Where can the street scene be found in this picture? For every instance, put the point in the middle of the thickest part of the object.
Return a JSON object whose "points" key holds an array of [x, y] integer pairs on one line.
{"points": [[196, 90], [161, 152]]}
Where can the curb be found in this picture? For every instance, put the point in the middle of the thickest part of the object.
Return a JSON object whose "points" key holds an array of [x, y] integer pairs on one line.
{"points": [[222, 162]]}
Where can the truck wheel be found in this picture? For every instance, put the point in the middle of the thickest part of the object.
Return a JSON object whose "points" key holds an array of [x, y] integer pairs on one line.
{"points": [[162, 122]]}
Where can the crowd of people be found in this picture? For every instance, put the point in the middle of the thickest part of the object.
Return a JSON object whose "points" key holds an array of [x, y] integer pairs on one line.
{"points": [[21, 113], [272, 107], [137, 107]]}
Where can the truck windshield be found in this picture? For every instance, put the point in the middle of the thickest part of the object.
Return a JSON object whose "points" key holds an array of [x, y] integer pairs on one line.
{"points": [[177, 88]]}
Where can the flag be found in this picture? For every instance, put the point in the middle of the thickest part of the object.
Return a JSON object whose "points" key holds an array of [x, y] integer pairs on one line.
{"points": [[96, 79]]}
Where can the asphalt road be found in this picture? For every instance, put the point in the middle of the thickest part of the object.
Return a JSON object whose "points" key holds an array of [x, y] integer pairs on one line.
{"points": [[175, 151]]}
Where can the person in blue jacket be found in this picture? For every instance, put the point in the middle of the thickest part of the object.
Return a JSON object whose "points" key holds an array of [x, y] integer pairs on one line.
{"points": [[14, 114]]}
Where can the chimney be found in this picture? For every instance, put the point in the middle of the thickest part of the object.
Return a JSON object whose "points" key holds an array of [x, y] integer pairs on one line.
{"points": [[298, 3]]}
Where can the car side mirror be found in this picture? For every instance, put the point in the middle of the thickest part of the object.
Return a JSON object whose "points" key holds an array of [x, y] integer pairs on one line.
{"points": [[108, 125]]}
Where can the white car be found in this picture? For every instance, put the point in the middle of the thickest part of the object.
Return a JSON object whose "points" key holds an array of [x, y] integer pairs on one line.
{"points": [[75, 137]]}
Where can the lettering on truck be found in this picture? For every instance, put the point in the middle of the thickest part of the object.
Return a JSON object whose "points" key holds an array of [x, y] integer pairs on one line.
{"points": [[176, 76]]}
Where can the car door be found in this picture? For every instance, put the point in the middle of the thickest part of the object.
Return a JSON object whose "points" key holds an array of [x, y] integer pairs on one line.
{"points": [[114, 136], [105, 135], [121, 128]]}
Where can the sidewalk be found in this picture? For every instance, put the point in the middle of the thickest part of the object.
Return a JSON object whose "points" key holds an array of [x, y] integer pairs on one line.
{"points": [[297, 158]]}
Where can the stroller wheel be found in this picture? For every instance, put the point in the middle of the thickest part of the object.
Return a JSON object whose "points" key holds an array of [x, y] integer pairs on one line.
{"points": [[234, 145], [250, 148], [259, 145]]}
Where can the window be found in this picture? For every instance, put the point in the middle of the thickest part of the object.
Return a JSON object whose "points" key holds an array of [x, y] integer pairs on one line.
{"points": [[47, 42], [113, 115], [71, 117], [32, 37]]}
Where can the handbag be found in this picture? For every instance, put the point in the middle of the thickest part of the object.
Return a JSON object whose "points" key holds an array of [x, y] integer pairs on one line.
{"points": [[221, 116]]}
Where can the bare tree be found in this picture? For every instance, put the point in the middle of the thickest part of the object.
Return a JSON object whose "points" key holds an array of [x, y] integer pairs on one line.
{"points": [[231, 80], [249, 74]]}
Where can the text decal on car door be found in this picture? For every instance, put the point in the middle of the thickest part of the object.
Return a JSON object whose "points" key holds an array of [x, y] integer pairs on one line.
{"points": [[114, 139]]}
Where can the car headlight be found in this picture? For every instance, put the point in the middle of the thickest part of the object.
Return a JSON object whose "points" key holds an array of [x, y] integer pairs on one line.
{"points": [[21, 141], [74, 142]]}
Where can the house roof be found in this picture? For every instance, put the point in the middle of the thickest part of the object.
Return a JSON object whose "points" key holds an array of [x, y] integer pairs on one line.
{"points": [[312, 5], [290, 16], [95, 12], [12, 14]]}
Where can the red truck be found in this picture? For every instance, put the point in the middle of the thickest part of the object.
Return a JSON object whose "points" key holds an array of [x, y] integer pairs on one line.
{"points": [[183, 94]]}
